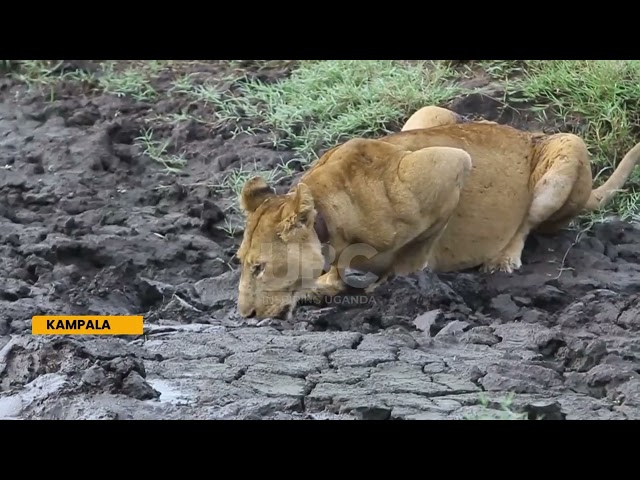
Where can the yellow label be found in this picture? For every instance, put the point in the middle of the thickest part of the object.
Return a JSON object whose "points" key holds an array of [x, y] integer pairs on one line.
{"points": [[87, 325]]}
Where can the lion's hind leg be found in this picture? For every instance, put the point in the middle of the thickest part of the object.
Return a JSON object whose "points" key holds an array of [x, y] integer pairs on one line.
{"points": [[431, 116], [561, 187]]}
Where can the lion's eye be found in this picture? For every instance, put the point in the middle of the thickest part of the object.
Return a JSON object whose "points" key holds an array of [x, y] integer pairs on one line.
{"points": [[257, 268]]}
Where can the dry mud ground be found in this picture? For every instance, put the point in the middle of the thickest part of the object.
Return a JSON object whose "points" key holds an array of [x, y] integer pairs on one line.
{"points": [[88, 224]]}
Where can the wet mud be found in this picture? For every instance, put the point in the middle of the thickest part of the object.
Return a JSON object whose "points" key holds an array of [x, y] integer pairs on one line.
{"points": [[90, 225]]}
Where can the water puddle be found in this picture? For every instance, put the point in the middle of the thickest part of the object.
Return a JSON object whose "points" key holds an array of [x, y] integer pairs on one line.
{"points": [[10, 407], [169, 393]]}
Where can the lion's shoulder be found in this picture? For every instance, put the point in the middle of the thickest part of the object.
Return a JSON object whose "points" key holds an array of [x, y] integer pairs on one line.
{"points": [[357, 156]]}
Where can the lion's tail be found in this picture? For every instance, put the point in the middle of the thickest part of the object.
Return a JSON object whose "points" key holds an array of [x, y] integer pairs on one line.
{"points": [[605, 193]]}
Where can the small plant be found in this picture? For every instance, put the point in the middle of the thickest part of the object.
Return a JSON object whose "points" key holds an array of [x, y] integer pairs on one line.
{"points": [[157, 151], [504, 412]]}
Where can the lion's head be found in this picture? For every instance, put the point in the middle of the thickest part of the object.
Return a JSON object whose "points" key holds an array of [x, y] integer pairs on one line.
{"points": [[280, 254]]}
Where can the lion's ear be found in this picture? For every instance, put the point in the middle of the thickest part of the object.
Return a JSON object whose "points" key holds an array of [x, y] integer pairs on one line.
{"points": [[303, 204], [302, 213], [254, 192]]}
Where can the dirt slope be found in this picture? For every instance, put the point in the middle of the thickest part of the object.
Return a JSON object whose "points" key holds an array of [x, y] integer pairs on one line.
{"points": [[90, 225]]}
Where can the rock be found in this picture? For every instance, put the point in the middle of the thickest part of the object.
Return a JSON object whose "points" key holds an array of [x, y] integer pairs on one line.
{"points": [[505, 307], [94, 376], [452, 329], [135, 386], [219, 291], [424, 321]]}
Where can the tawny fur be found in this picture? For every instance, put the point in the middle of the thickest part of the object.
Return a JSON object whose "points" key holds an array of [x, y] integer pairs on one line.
{"points": [[442, 194]]}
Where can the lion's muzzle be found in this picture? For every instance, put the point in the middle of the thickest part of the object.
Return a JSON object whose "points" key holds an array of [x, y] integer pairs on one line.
{"points": [[246, 306], [271, 306]]}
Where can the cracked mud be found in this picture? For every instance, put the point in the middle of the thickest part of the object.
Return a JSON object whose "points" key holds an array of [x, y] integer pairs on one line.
{"points": [[89, 225]]}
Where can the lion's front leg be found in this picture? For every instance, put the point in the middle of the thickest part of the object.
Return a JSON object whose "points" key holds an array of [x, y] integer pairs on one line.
{"points": [[382, 279], [328, 285], [509, 258]]}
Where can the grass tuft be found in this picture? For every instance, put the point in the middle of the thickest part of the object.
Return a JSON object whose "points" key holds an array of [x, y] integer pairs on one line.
{"points": [[158, 152], [490, 410], [131, 81], [325, 102]]}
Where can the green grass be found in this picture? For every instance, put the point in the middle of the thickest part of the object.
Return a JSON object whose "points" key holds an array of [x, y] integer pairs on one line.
{"points": [[488, 410], [132, 81], [157, 151], [322, 103], [326, 102]]}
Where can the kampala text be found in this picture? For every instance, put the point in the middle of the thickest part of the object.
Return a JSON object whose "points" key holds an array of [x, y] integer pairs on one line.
{"points": [[78, 325]]}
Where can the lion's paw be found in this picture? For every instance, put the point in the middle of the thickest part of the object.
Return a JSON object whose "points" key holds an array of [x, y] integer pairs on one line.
{"points": [[503, 264], [371, 288], [374, 286], [314, 297], [326, 288]]}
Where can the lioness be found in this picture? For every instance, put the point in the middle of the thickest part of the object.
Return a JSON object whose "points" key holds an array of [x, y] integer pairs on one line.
{"points": [[443, 193]]}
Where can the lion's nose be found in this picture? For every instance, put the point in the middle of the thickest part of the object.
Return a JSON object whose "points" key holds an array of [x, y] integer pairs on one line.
{"points": [[245, 307]]}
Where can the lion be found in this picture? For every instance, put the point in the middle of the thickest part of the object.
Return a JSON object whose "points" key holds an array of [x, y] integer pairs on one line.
{"points": [[443, 194]]}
